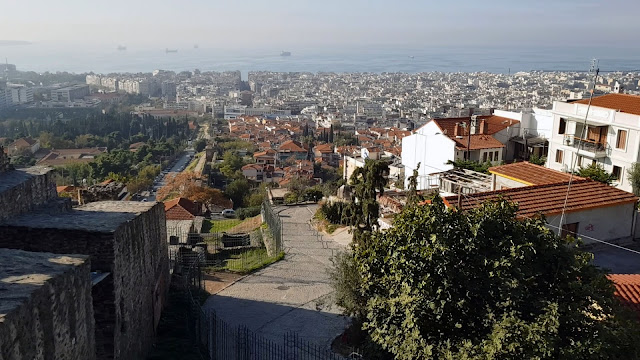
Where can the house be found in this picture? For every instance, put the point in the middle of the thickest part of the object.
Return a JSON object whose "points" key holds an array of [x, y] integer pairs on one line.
{"points": [[291, 149], [259, 172], [181, 209], [524, 173], [476, 138], [23, 145], [267, 156], [60, 157], [609, 135], [324, 154], [593, 210]]}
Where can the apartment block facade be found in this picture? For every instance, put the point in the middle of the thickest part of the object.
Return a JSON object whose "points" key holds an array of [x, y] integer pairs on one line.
{"points": [[608, 135]]}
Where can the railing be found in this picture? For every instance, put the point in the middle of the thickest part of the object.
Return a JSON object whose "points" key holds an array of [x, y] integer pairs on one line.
{"points": [[217, 340], [587, 144]]}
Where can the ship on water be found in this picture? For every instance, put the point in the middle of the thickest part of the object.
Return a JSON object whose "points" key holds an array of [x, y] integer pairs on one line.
{"points": [[122, 48], [285, 53], [167, 50]]}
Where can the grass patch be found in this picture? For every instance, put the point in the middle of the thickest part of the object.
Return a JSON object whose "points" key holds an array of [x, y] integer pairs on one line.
{"points": [[192, 165], [246, 261], [217, 226]]}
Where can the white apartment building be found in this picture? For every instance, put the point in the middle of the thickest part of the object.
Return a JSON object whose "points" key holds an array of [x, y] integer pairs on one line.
{"points": [[19, 94], [610, 138]]}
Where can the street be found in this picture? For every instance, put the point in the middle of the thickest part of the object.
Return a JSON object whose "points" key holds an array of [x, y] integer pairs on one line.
{"points": [[178, 166]]}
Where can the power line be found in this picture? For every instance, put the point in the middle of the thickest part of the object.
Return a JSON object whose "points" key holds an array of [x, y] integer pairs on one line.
{"points": [[595, 239], [594, 68]]}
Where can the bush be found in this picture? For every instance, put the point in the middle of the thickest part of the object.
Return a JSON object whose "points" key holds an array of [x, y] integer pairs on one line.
{"points": [[291, 198], [335, 213], [313, 194], [248, 212]]}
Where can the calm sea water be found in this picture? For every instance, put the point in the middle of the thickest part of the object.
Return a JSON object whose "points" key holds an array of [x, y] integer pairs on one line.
{"points": [[47, 57]]}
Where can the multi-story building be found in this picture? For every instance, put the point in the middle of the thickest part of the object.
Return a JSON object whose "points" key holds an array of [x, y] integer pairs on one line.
{"points": [[169, 90], [70, 93], [608, 134], [19, 94]]}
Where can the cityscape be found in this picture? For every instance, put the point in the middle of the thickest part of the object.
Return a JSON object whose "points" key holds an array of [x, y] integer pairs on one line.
{"points": [[387, 181]]}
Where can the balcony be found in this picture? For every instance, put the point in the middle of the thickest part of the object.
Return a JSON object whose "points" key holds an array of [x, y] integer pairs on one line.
{"points": [[590, 148]]}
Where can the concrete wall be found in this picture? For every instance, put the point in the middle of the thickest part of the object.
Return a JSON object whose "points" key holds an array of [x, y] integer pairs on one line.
{"points": [[499, 183], [24, 190], [45, 306], [613, 223]]}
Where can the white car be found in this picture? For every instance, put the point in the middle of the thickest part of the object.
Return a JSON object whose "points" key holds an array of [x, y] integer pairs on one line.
{"points": [[229, 213]]}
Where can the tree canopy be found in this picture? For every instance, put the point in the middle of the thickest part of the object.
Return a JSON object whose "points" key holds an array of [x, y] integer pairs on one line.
{"points": [[445, 284], [596, 172]]}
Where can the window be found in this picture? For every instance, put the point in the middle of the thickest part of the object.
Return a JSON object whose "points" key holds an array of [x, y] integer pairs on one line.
{"points": [[580, 160], [617, 172], [491, 156], [621, 142], [496, 156], [484, 157], [559, 154], [563, 126]]}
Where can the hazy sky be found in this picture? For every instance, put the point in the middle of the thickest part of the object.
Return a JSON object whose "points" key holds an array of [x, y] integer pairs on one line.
{"points": [[290, 23]]}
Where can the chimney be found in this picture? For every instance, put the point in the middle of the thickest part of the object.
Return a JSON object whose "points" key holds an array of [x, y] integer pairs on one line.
{"points": [[455, 130], [473, 125], [482, 125]]}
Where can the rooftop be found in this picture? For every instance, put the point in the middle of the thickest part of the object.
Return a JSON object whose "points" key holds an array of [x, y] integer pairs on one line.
{"points": [[549, 199], [492, 124], [622, 102], [627, 289], [531, 174], [23, 273], [11, 179], [103, 216]]}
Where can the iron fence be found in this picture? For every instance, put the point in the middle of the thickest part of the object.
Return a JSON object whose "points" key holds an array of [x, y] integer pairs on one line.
{"points": [[218, 340]]}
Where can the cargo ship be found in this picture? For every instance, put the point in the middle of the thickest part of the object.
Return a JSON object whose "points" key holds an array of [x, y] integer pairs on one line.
{"points": [[285, 53]]}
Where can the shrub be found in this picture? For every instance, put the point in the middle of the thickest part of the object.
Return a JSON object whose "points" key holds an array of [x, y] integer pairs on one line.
{"points": [[248, 212]]}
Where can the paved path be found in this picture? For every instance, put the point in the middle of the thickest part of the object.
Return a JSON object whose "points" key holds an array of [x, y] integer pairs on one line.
{"points": [[293, 294]]}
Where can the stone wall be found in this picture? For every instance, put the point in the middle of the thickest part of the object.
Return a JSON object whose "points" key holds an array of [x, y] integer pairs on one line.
{"points": [[23, 190], [126, 239], [5, 163], [45, 306]]}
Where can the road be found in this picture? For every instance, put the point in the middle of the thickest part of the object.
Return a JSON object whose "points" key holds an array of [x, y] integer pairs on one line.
{"points": [[293, 294], [178, 166]]}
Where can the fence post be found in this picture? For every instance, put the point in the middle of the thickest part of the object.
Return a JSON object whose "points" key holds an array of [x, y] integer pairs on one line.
{"points": [[212, 335]]}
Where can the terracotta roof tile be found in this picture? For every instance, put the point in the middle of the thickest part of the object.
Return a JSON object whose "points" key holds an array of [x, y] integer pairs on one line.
{"points": [[549, 199], [180, 209], [292, 146], [531, 174], [623, 102], [477, 142], [627, 289], [492, 124]]}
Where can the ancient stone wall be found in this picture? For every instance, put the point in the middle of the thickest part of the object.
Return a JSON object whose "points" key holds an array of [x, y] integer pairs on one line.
{"points": [[142, 249], [23, 190], [126, 239], [45, 306]]}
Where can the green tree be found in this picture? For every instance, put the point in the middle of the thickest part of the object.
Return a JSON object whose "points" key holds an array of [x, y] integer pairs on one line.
{"points": [[633, 174], [538, 160], [237, 190], [596, 172], [445, 284], [231, 163], [368, 182], [199, 145], [471, 165]]}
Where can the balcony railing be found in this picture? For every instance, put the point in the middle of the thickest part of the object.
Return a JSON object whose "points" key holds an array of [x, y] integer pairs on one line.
{"points": [[596, 147]]}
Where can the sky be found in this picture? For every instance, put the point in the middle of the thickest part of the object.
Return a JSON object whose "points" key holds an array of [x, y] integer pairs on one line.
{"points": [[288, 24]]}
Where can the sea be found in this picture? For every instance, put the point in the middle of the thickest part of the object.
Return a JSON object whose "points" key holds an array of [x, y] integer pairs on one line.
{"points": [[41, 57]]}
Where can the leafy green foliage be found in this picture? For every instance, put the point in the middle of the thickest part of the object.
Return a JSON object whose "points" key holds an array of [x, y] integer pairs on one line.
{"points": [[596, 172], [633, 175], [237, 190], [199, 145], [471, 165], [368, 182], [248, 212], [538, 160], [445, 284]]}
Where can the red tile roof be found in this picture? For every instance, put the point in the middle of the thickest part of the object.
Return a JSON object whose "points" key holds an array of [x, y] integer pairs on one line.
{"points": [[180, 209], [324, 148], [291, 146], [549, 199], [492, 124], [531, 174], [623, 102], [627, 289], [477, 142]]}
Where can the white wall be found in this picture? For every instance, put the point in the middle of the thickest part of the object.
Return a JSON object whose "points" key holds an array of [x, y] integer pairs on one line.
{"points": [[612, 223], [431, 149]]}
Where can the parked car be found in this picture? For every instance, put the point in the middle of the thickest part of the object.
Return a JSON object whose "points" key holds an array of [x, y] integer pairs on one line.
{"points": [[228, 213]]}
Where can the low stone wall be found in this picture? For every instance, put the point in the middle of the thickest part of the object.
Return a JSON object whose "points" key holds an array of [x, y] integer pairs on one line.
{"points": [[45, 306], [23, 190]]}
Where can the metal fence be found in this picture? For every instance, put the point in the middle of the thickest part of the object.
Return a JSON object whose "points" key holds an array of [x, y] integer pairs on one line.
{"points": [[273, 221], [218, 340]]}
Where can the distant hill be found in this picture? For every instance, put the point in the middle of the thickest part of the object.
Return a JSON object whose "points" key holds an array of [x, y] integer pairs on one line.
{"points": [[13, 42]]}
